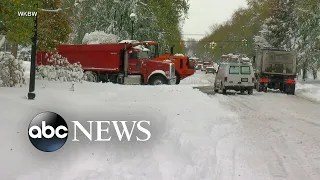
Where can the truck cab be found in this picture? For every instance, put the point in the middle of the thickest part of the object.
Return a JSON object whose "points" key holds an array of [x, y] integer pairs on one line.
{"points": [[184, 67]]}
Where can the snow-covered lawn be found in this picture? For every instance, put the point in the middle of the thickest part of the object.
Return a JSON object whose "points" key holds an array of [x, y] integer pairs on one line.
{"points": [[183, 141]]}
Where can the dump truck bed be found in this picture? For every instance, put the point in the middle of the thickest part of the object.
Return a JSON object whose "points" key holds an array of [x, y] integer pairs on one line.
{"points": [[276, 62]]}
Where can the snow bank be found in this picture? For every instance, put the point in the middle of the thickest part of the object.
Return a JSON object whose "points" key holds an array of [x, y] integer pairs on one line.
{"points": [[198, 79], [99, 37], [183, 145], [310, 91], [11, 70], [60, 70]]}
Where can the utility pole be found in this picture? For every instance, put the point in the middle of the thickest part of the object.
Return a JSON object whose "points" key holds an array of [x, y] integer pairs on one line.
{"points": [[32, 81]]}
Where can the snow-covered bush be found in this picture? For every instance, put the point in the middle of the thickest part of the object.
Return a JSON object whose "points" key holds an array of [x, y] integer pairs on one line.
{"points": [[11, 70], [24, 53], [99, 37], [60, 69]]}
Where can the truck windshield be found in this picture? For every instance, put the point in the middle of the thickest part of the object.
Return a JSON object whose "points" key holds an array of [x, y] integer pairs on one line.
{"points": [[139, 55], [234, 70], [245, 70]]}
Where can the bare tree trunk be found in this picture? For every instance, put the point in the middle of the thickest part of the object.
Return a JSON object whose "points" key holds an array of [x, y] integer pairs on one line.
{"points": [[14, 49], [315, 73], [304, 72]]}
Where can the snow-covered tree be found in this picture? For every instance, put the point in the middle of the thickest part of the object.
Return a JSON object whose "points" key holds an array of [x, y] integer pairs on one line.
{"points": [[60, 69], [24, 53], [11, 70], [279, 29], [308, 20]]}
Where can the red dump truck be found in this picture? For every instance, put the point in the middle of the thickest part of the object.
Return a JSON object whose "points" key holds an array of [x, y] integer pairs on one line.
{"points": [[123, 63]]}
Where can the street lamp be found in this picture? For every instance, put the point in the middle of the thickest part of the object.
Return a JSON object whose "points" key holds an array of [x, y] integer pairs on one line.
{"points": [[133, 18], [31, 94]]}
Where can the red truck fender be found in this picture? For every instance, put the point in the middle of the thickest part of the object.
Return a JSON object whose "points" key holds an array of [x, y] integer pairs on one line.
{"points": [[157, 72]]}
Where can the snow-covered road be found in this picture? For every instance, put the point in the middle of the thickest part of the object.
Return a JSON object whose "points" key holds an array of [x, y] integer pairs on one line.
{"points": [[277, 136], [265, 136]]}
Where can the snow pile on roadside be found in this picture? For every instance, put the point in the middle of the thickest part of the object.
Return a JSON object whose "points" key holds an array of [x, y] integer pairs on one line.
{"points": [[184, 139], [11, 70], [60, 70], [198, 79], [310, 91], [99, 37]]}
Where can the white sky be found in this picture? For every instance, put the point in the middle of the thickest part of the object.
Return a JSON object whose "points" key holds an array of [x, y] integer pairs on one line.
{"points": [[204, 13]]}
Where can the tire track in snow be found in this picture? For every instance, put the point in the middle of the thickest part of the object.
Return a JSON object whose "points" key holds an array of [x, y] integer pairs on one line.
{"points": [[282, 159]]}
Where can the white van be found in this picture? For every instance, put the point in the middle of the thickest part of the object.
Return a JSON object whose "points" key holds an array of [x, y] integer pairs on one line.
{"points": [[234, 76]]}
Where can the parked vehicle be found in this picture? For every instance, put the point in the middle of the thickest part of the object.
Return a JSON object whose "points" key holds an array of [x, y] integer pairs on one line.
{"points": [[184, 67], [200, 67], [210, 69], [123, 63], [275, 69], [235, 76]]}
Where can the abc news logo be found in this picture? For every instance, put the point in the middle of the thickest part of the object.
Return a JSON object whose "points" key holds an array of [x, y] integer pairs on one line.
{"points": [[48, 131]]}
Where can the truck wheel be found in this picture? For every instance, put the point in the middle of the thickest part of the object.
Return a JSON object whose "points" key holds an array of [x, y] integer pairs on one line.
{"points": [[91, 76], [158, 80], [242, 91], [290, 90], [265, 89], [178, 78], [215, 89], [224, 91], [250, 91], [258, 87]]}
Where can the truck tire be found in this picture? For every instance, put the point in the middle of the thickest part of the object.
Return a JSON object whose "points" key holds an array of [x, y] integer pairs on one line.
{"points": [[90, 76], [265, 89], [157, 80], [224, 91], [215, 89], [258, 87], [178, 78], [250, 91], [290, 90]]}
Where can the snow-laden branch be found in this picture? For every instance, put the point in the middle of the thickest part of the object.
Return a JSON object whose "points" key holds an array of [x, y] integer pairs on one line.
{"points": [[308, 12], [54, 10], [2, 41]]}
